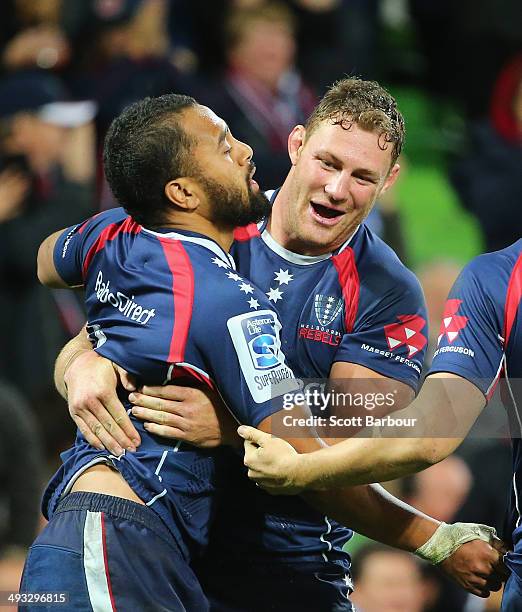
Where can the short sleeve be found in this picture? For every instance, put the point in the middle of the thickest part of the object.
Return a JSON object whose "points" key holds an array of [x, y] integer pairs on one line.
{"points": [[469, 340], [73, 246], [390, 332]]}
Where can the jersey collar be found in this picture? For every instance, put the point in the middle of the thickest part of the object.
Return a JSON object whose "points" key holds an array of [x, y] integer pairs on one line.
{"points": [[196, 238], [297, 258]]}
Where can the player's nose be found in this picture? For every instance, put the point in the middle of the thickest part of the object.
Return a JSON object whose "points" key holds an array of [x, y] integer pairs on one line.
{"points": [[245, 153], [337, 188]]}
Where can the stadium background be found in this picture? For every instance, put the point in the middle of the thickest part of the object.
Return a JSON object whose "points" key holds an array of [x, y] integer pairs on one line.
{"points": [[456, 71]]}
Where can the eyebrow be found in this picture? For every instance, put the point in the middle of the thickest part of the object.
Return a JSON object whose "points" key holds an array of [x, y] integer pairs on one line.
{"points": [[336, 160], [223, 135]]}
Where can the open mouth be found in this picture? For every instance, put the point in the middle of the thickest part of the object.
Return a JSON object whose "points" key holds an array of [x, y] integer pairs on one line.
{"points": [[325, 214], [325, 211]]}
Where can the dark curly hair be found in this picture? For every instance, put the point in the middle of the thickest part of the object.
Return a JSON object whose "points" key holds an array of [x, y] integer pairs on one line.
{"points": [[366, 104], [146, 147]]}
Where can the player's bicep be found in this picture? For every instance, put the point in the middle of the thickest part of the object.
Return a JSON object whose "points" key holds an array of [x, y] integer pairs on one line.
{"points": [[46, 269]]}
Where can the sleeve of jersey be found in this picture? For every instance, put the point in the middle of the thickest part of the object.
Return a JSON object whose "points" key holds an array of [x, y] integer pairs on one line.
{"points": [[249, 366], [389, 335], [74, 244], [469, 340]]}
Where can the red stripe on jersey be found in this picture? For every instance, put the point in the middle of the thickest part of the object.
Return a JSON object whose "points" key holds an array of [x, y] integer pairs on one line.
{"points": [[129, 226], [245, 233], [349, 278], [513, 298], [85, 223], [106, 561], [185, 372], [183, 293]]}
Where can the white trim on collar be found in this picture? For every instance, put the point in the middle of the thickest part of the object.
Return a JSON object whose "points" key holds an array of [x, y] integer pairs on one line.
{"points": [[297, 258], [204, 242]]}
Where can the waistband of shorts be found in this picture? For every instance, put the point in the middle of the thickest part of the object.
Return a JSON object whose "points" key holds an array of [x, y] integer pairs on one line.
{"points": [[117, 507]]}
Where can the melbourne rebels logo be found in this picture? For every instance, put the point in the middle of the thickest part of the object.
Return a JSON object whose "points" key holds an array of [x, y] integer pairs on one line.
{"points": [[452, 323], [327, 308], [406, 333], [264, 351]]}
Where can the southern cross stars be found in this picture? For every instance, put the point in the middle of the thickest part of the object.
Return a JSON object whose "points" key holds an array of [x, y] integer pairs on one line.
{"points": [[246, 288], [253, 303], [283, 277], [274, 295], [233, 276], [219, 262]]}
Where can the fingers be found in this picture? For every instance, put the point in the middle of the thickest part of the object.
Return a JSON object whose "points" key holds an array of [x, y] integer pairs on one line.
{"points": [[121, 426], [253, 435], [155, 403], [100, 422], [87, 433], [158, 417], [164, 431], [172, 392], [128, 381]]}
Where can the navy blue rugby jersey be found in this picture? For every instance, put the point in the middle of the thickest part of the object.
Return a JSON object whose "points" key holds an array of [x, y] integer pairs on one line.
{"points": [[359, 305], [166, 305], [480, 339]]}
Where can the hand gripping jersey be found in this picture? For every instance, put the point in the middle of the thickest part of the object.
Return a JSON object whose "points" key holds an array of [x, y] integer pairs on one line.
{"points": [[165, 305], [481, 340], [358, 305]]}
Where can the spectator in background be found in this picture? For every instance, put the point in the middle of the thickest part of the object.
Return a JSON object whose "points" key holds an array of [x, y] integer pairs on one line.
{"points": [[47, 179], [121, 56], [387, 580], [31, 37], [262, 96], [20, 484], [121, 50], [489, 178]]}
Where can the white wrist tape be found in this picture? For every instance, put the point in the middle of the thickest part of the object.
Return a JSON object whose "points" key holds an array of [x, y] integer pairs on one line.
{"points": [[447, 538]]}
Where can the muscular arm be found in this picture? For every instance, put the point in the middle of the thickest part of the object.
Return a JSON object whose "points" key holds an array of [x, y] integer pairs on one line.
{"points": [[447, 405], [369, 508]]}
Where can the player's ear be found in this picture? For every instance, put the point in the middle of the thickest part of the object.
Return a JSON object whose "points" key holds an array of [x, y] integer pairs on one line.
{"points": [[296, 142], [391, 178], [183, 192]]}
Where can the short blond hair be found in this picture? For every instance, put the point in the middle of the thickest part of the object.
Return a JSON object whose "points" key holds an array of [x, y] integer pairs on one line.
{"points": [[365, 103]]}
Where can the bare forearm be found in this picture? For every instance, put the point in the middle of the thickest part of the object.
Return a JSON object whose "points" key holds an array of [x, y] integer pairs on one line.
{"points": [[366, 460], [442, 415], [70, 351], [375, 513]]}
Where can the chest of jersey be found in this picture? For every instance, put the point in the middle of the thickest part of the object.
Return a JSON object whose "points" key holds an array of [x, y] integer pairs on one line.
{"points": [[309, 301]]}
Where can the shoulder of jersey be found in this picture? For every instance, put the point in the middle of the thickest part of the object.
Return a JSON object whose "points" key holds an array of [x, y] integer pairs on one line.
{"points": [[373, 256]]}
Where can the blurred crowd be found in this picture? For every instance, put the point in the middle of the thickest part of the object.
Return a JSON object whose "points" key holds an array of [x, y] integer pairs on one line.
{"points": [[68, 67]]}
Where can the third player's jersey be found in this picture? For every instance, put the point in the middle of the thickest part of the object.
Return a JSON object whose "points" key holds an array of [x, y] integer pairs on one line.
{"points": [[480, 339], [358, 305], [167, 305]]}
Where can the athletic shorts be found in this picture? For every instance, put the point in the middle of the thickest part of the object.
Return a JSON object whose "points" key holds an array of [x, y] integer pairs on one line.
{"points": [[106, 553], [277, 587], [512, 597]]}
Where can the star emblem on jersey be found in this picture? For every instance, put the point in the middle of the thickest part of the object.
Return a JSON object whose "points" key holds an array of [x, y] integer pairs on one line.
{"points": [[274, 295], [406, 333], [327, 308], [219, 262], [233, 276], [452, 323], [246, 288], [253, 303], [283, 277]]}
